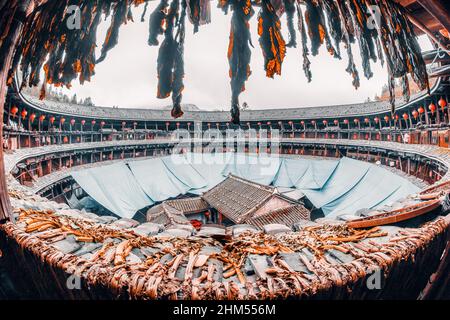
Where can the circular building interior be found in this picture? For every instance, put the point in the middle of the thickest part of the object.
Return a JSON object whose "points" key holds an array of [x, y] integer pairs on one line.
{"points": [[200, 203]]}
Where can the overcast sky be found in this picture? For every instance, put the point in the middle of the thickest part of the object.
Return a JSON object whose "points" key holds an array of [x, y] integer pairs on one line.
{"points": [[127, 78]]}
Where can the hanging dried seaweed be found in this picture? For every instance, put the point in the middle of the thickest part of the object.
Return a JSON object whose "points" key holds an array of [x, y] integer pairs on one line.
{"points": [[65, 54], [178, 68], [289, 8], [271, 39], [170, 58], [156, 23], [239, 51], [305, 50]]}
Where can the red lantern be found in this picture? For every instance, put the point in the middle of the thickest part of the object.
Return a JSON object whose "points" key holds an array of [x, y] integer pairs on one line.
{"points": [[24, 113], [32, 117], [336, 122], [415, 114], [313, 121], [396, 117], [62, 120], [355, 120], [290, 123], [65, 139], [83, 122], [376, 119], [405, 116], [366, 120], [346, 121], [442, 103], [421, 110], [302, 123], [269, 123], [42, 118], [259, 123], [14, 110], [325, 122], [432, 107], [93, 122], [386, 118], [52, 119], [102, 123], [72, 121]]}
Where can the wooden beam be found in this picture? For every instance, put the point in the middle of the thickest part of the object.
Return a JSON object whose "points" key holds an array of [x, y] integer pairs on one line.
{"points": [[437, 9]]}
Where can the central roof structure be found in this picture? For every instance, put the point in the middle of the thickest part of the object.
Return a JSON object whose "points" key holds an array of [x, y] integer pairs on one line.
{"points": [[243, 201]]}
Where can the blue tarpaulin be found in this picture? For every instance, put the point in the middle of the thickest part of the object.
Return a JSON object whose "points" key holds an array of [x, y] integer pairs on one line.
{"points": [[336, 186], [115, 188]]}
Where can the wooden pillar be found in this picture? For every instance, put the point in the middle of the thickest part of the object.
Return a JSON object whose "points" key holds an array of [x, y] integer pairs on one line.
{"points": [[15, 10]]}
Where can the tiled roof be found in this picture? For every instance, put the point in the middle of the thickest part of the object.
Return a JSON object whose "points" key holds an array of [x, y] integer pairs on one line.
{"points": [[166, 215], [189, 205], [288, 216], [316, 112], [236, 197]]}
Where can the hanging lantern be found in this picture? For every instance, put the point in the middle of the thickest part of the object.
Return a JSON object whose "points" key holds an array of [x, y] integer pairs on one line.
{"points": [[396, 117], [24, 114], [325, 122], [124, 123], [336, 121], [415, 114], [376, 119], [442, 103], [421, 110], [313, 122], [14, 110], [432, 107], [269, 123], [93, 122], [52, 119], [290, 123], [102, 123], [386, 118], [41, 118], [355, 120], [259, 124], [72, 122], [83, 122], [366, 120], [62, 120], [177, 124], [405, 116], [65, 139], [345, 121], [302, 123], [32, 117]]}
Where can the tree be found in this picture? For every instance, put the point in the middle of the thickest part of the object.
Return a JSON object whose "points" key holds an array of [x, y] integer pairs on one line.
{"points": [[74, 99]]}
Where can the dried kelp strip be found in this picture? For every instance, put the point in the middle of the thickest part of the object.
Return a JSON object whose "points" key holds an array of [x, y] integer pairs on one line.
{"points": [[271, 39], [305, 50], [239, 52], [316, 30], [156, 22], [178, 65], [289, 8], [65, 54], [347, 39], [119, 17]]}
